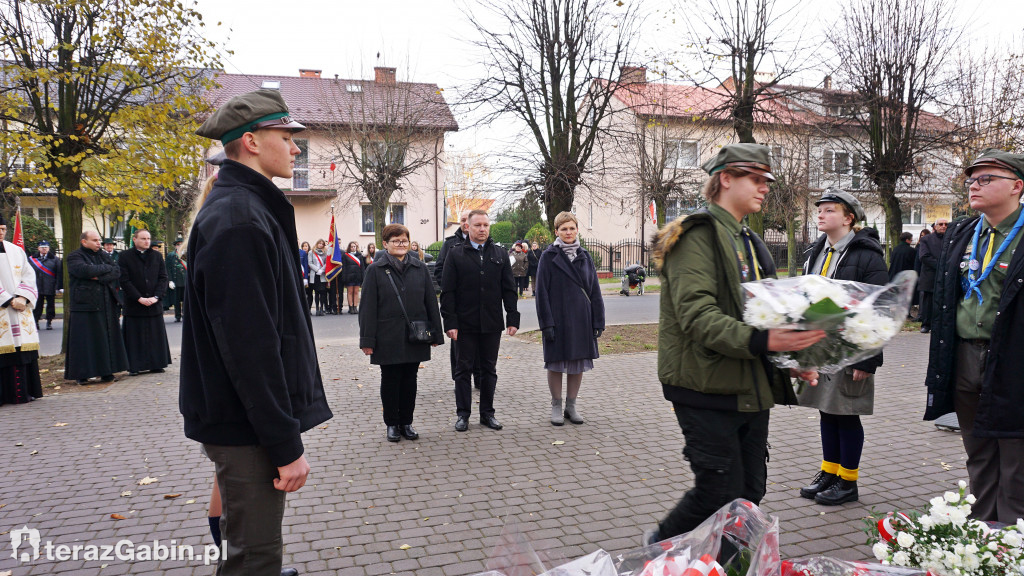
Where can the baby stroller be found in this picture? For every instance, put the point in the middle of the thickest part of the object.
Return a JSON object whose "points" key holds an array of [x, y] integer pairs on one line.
{"points": [[633, 277]]}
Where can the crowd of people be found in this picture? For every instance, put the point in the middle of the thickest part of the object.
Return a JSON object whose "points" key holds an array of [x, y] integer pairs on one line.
{"points": [[713, 368], [114, 314]]}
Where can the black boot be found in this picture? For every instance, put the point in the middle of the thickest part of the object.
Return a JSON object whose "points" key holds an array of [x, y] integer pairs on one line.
{"points": [[821, 482], [838, 493], [394, 434]]}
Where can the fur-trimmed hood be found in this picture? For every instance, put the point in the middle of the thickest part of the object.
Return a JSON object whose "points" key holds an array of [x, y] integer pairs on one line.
{"points": [[667, 237]]}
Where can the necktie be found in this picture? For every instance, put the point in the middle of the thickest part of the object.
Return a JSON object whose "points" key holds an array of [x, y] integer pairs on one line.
{"points": [[750, 253], [828, 260], [991, 244]]}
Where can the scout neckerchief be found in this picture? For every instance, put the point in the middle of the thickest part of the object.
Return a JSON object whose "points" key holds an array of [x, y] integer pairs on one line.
{"points": [[751, 254], [973, 282]]}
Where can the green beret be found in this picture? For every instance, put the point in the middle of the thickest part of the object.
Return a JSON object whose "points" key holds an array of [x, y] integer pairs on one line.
{"points": [[246, 113], [841, 197], [753, 158], [996, 158], [109, 241]]}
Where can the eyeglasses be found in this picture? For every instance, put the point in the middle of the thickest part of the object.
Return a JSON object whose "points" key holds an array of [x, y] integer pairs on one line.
{"points": [[399, 242], [985, 180]]}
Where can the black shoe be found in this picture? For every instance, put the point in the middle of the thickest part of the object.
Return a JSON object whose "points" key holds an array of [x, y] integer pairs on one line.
{"points": [[157, 371], [840, 492], [49, 325], [179, 320], [461, 424], [491, 422], [822, 481], [408, 432], [623, 292], [393, 434], [82, 382], [354, 310], [289, 572], [107, 378], [925, 329]]}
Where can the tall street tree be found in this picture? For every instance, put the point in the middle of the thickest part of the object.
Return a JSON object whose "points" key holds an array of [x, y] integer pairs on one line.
{"points": [[891, 54], [91, 77], [382, 133], [548, 62]]}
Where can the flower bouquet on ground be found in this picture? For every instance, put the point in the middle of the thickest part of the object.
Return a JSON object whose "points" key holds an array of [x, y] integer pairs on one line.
{"points": [[945, 542], [859, 319]]}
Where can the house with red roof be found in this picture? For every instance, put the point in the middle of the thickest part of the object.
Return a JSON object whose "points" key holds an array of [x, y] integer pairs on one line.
{"points": [[811, 131], [333, 110]]}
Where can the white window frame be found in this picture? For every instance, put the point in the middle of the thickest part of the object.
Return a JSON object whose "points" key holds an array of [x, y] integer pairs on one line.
{"points": [[673, 158], [300, 173]]}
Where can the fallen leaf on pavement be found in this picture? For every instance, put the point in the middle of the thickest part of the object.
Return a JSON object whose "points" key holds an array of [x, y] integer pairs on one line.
{"points": [[59, 424], [171, 496], [126, 493], [190, 501], [557, 443], [33, 453], [147, 480], [117, 517], [404, 547]]}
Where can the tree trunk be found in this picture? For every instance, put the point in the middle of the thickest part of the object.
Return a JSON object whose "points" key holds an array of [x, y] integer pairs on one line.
{"points": [[791, 255], [558, 196], [70, 208], [380, 210], [893, 214]]}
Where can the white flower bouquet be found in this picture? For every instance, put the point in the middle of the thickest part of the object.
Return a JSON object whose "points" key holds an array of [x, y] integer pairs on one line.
{"points": [[859, 318], [946, 543]]}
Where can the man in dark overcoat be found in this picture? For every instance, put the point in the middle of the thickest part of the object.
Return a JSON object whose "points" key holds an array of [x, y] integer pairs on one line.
{"points": [[451, 242], [175, 280], [95, 346], [250, 380], [49, 281], [903, 256], [476, 282], [928, 252], [144, 284], [975, 361]]}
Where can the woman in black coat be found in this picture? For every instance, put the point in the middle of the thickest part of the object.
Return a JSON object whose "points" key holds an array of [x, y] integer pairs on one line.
{"points": [[570, 312], [533, 257], [352, 276], [383, 326], [845, 251]]}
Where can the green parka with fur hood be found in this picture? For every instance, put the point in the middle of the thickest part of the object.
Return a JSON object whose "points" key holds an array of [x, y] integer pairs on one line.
{"points": [[707, 356]]}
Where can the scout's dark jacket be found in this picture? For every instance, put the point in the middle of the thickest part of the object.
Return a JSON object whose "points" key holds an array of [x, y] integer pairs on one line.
{"points": [[1002, 391], [707, 356], [474, 285], [862, 261], [249, 372]]}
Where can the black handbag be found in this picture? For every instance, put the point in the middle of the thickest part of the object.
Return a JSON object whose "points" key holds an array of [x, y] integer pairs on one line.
{"points": [[416, 331]]}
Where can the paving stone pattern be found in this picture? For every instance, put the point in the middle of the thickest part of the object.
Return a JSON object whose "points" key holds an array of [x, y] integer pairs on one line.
{"points": [[448, 495]]}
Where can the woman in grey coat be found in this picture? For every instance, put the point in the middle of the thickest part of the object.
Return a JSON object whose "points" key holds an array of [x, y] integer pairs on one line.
{"points": [[318, 275]]}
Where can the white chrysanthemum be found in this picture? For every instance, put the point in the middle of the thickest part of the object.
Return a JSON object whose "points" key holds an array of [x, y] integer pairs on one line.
{"points": [[957, 517], [880, 550], [951, 497], [901, 558], [952, 559], [970, 548], [970, 499], [905, 540], [1011, 538], [971, 562], [793, 304], [926, 522], [962, 484], [818, 288], [937, 502], [936, 554], [760, 314]]}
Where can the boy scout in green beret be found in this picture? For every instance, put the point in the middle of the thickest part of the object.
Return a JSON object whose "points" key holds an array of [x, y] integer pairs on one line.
{"points": [[250, 382], [711, 365], [975, 364]]}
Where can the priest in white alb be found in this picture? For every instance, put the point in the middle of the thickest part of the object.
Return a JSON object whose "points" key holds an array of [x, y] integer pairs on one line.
{"points": [[19, 339]]}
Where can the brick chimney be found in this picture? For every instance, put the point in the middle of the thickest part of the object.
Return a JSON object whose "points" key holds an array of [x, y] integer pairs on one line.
{"points": [[633, 75], [307, 73], [383, 75], [828, 82]]}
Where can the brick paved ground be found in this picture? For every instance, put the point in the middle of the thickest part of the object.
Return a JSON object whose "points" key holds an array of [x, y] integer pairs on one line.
{"points": [[447, 495]]}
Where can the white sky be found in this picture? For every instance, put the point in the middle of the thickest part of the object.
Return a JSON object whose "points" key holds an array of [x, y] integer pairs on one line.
{"points": [[427, 40]]}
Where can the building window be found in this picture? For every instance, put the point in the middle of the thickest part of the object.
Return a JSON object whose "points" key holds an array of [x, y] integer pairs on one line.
{"points": [[45, 215], [775, 153], [835, 162], [300, 175], [367, 219], [917, 214], [681, 154], [397, 214]]}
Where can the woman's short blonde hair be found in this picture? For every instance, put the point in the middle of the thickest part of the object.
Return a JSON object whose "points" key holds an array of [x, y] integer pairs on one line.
{"points": [[564, 217]]}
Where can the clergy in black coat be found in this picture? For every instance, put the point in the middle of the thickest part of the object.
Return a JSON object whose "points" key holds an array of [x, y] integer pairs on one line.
{"points": [[95, 346], [144, 283], [903, 256]]}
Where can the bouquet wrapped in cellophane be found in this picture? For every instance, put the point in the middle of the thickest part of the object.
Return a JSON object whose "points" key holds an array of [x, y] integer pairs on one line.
{"points": [[859, 319]]}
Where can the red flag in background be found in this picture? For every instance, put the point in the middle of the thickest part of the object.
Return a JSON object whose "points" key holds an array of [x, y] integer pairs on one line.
{"points": [[335, 255], [654, 213], [18, 238]]}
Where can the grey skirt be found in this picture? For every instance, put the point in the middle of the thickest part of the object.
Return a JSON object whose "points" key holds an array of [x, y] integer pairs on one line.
{"points": [[840, 394], [570, 366]]}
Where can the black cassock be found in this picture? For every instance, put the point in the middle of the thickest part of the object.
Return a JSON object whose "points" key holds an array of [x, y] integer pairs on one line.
{"points": [[143, 275], [95, 345]]}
